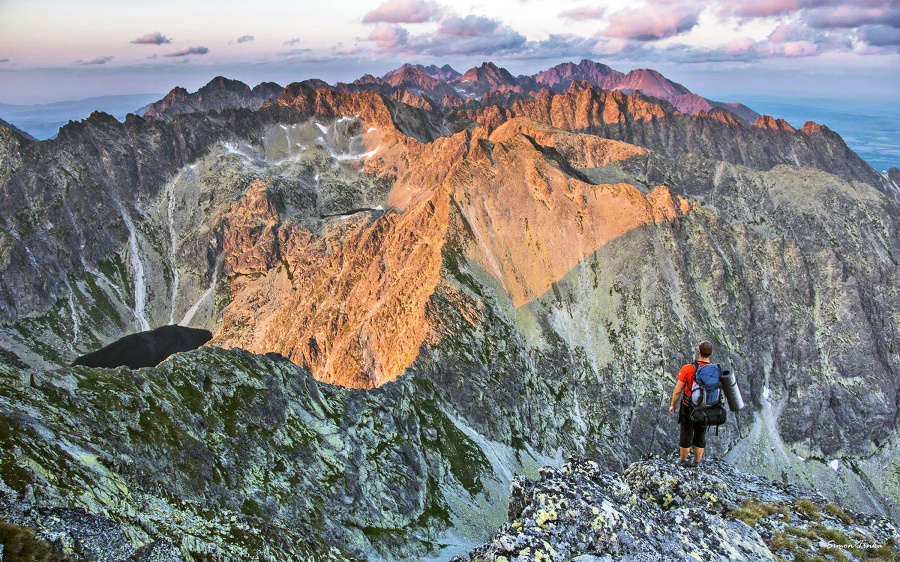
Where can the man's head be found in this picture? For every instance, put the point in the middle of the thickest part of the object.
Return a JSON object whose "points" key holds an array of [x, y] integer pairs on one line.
{"points": [[705, 349]]}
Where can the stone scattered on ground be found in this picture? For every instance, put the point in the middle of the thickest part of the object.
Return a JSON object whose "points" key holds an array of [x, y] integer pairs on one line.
{"points": [[658, 510]]}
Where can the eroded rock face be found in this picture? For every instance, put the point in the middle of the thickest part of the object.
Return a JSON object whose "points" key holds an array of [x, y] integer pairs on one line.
{"points": [[656, 511], [232, 456], [350, 305]]}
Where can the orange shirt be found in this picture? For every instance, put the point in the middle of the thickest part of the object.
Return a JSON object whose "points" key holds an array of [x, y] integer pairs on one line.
{"points": [[686, 375]]}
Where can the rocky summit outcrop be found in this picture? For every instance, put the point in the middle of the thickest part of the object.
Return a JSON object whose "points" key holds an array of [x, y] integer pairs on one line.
{"points": [[657, 511], [540, 263]]}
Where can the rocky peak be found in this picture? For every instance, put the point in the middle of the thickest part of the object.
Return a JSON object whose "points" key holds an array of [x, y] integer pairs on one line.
{"points": [[490, 76], [893, 176], [221, 84], [16, 130], [721, 115], [268, 90], [218, 94], [562, 75], [651, 83], [769, 122], [417, 81], [445, 73]]}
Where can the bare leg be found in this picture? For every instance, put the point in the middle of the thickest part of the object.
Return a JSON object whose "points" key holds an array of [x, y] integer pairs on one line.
{"points": [[684, 452], [698, 454]]}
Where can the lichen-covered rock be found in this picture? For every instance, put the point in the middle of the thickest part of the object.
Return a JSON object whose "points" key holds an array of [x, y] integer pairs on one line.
{"points": [[661, 511], [238, 456]]}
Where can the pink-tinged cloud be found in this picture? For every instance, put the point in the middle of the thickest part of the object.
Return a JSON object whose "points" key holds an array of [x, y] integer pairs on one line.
{"points": [[96, 61], [581, 14], [763, 8], [652, 22], [784, 33], [387, 37], [291, 42], [404, 11], [245, 39], [796, 49], [470, 35], [188, 51], [739, 46], [346, 51], [155, 38]]}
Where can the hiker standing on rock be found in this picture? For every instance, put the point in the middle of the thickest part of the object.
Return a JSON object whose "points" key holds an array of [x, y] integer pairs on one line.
{"points": [[691, 433]]}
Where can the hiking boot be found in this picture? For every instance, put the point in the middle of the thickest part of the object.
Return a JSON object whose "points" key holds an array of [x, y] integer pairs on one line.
{"points": [[686, 464], [695, 464]]}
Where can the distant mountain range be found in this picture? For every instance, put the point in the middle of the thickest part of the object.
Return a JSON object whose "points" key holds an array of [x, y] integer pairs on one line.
{"points": [[443, 87], [42, 121]]}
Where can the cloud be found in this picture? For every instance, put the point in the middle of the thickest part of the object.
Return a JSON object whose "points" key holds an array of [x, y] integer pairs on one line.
{"points": [[404, 11], [784, 33], [557, 46], [346, 51], [843, 17], [3, 61], [291, 42], [795, 49], [739, 46], [155, 38], [188, 51], [739, 50], [468, 26], [880, 35], [245, 38], [579, 14], [460, 36], [470, 35], [764, 8], [95, 61], [652, 22], [389, 37]]}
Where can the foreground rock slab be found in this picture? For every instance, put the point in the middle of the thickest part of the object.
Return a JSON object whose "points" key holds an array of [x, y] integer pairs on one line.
{"points": [[657, 510]]}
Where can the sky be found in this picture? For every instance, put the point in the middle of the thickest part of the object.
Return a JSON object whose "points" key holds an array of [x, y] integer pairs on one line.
{"points": [[53, 50]]}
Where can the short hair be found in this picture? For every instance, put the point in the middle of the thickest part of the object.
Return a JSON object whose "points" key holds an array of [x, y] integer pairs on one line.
{"points": [[705, 349]]}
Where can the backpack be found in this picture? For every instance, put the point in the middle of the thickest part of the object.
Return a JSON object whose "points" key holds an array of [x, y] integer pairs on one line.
{"points": [[706, 396], [706, 389]]}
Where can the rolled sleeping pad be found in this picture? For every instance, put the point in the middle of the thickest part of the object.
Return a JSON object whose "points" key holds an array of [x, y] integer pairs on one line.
{"points": [[732, 392]]}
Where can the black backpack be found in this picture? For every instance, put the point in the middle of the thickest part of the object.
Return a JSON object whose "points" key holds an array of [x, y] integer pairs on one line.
{"points": [[707, 384]]}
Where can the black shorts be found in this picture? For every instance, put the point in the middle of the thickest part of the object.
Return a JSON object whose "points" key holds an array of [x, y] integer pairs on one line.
{"points": [[691, 433]]}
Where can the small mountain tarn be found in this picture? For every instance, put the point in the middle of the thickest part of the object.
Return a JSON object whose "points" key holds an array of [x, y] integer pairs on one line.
{"points": [[146, 349]]}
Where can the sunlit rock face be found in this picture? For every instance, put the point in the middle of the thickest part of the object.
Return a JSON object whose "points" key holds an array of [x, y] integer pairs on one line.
{"points": [[545, 260]]}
